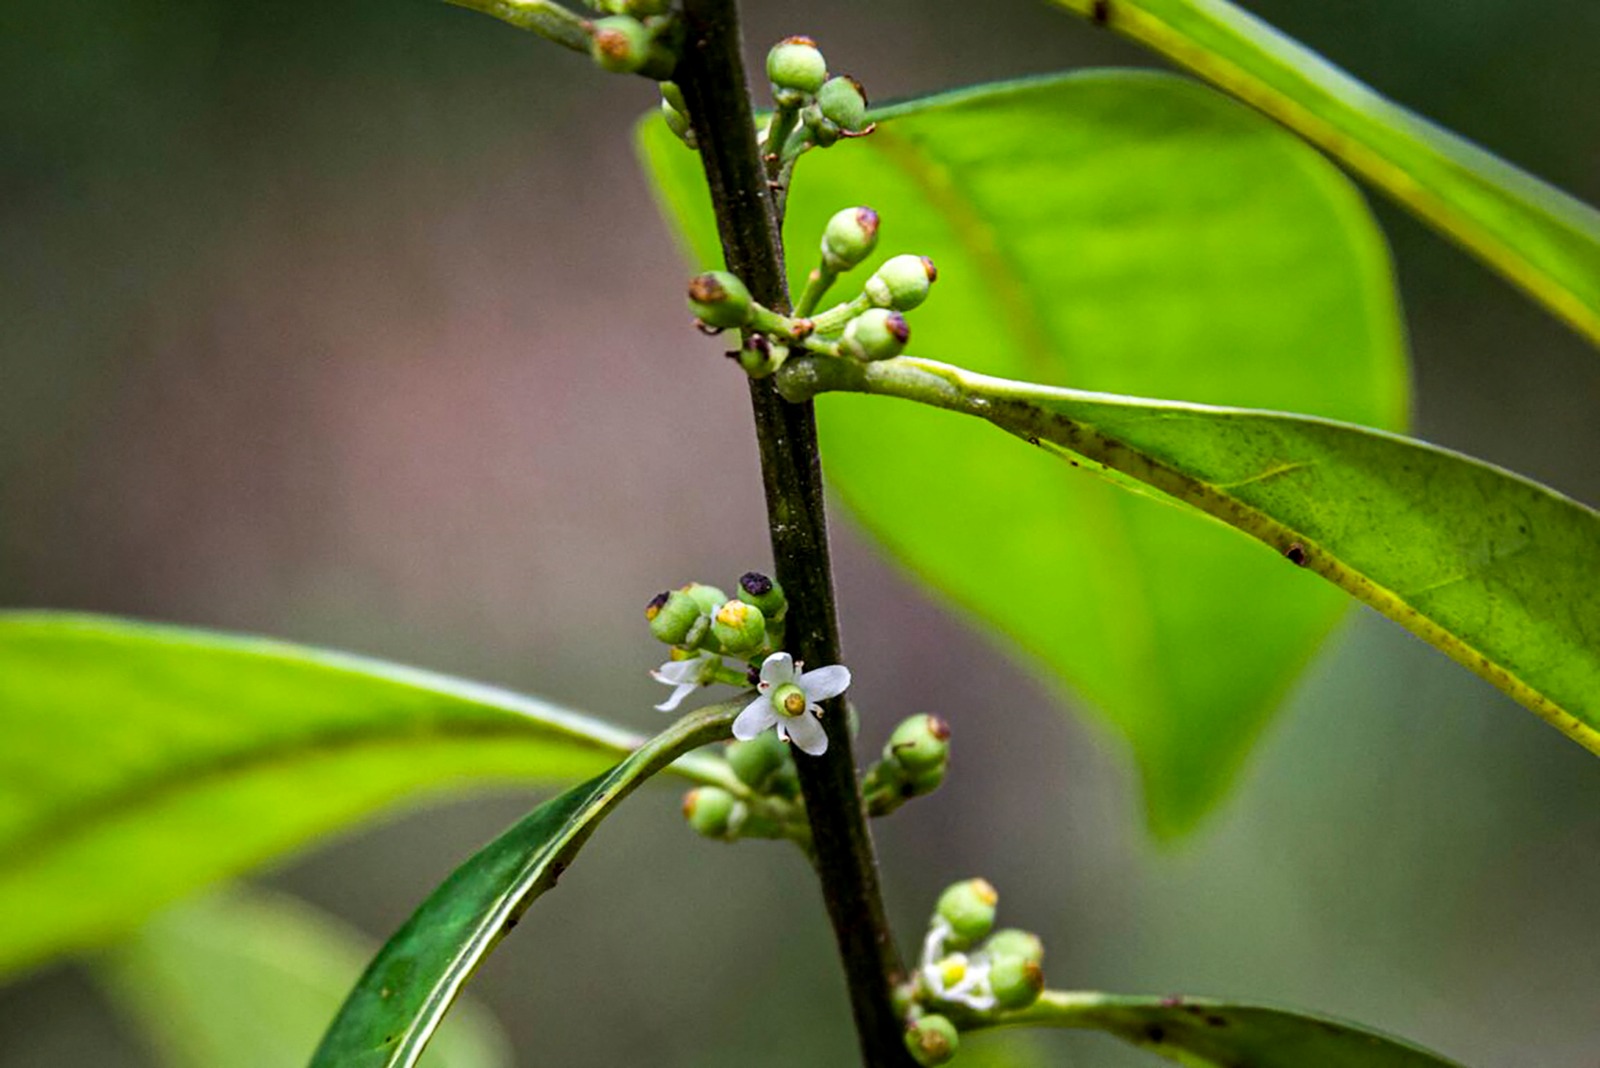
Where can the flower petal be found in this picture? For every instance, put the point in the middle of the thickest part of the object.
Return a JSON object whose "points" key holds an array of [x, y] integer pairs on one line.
{"points": [[777, 669], [679, 692], [825, 682], [808, 734], [679, 672], [757, 716]]}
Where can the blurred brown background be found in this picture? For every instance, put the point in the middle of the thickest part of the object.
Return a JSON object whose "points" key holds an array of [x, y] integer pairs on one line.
{"points": [[353, 323]]}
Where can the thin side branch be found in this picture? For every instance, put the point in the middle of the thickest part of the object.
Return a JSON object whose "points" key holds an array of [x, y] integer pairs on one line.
{"points": [[550, 21]]}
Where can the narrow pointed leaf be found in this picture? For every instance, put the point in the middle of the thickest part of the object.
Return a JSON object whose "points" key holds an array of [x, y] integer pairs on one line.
{"points": [[141, 762], [250, 979], [1496, 570], [1122, 231], [1538, 237], [406, 990], [1208, 1033]]}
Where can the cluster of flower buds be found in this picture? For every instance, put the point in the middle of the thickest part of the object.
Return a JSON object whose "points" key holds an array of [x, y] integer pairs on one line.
{"points": [[828, 108], [634, 36], [697, 618], [768, 807], [968, 974], [914, 763]]}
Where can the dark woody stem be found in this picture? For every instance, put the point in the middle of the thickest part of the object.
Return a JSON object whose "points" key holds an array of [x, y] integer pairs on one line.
{"points": [[711, 75]]}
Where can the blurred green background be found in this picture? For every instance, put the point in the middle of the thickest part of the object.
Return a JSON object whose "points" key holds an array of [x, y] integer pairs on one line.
{"points": [[354, 323]]}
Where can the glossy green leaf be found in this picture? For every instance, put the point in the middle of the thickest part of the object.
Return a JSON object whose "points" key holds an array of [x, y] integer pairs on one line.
{"points": [[1538, 237], [141, 762], [249, 979], [406, 990], [1135, 233], [1497, 571], [1207, 1033]]}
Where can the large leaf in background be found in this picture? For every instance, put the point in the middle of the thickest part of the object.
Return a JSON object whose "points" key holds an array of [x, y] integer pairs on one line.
{"points": [[1207, 1033], [1532, 233], [140, 762], [248, 979], [1133, 233], [405, 992], [1496, 570]]}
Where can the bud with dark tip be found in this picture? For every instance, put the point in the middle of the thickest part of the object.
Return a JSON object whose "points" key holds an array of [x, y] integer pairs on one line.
{"points": [[739, 627], [902, 282], [875, 334], [843, 102], [714, 812], [672, 616], [719, 299], [968, 909], [920, 744], [765, 593], [931, 1040], [796, 69], [849, 238], [620, 43], [1016, 981]]}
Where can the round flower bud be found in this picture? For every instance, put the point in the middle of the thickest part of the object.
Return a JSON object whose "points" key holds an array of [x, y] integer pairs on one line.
{"points": [[719, 299], [713, 812], [1017, 982], [795, 67], [968, 907], [849, 238], [763, 592], [875, 334], [1012, 942], [925, 782], [709, 598], [740, 627], [931, 1039], [620, 43], [921, 743], [843, 102], [671, 616], [902, 282], [755, 761]]}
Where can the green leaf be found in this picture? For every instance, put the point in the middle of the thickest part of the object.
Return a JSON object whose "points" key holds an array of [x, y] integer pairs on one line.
{"points": [[250, 979], [1538, 237], [1496, 570], [1206, 1033], [142, 762], [406, 990], [1134, 233]]}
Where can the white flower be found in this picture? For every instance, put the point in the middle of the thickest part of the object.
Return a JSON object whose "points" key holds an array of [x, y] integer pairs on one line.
{"points": [[788, 701], [955, 977], [684, 676]]}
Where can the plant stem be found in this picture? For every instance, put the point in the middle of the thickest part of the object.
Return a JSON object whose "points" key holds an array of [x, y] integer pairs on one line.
{"points": [[711, 75], [550, 21]]}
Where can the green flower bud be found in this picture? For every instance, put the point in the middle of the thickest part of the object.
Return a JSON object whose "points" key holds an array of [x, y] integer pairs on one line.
{"points": [[677, 122], [674, 97], [1011, 942], [875, 334], [824, 131], [795, 68], [755, 761], [902, 282], [719, 299], [709, 598], [671, 616], [643, 9], [843, 102], [714, 812], [620, 43], [1017, 982], [763, 592], [739, 627], [925, 782], [920, 744], [849, 238], [968, 907], [931, 1039]]}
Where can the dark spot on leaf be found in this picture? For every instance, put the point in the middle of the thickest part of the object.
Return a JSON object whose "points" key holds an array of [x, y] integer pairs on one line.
{"points": [[1101, 12], [1032, 439], [1155, 1034], [1296, 554], [1216, 1021]]}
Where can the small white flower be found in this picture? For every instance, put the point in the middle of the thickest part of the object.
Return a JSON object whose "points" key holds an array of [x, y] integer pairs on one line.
{"points": [[788, 701], [955, 977], [684, 676]]}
